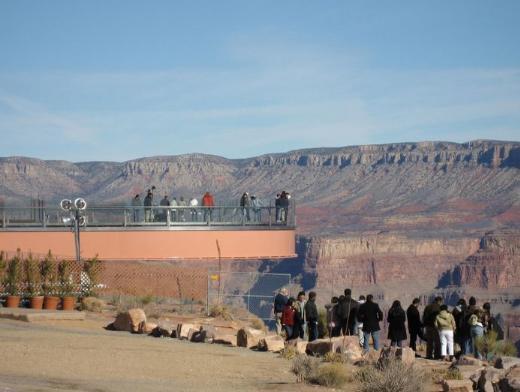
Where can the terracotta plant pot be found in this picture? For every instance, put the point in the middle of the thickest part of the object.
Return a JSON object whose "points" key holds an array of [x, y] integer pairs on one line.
{"points": [[68, 303], [13, 301], [51, 303], [37, 302]]}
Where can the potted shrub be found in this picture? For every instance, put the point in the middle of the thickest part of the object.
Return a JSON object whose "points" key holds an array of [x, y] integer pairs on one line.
{"points": [[12, 278], [31, 272], [49, 277], [66, 285]]}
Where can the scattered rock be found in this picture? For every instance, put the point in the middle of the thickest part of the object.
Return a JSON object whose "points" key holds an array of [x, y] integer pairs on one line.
{"points": [[506, 362], [273, 343], [320, 347], [405, 354], [133, 320], [249, 337], [230, 340], [457, 386], [511, 381]]}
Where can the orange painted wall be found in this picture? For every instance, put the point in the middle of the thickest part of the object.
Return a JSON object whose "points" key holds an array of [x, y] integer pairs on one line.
{"points": [[139, 245]]}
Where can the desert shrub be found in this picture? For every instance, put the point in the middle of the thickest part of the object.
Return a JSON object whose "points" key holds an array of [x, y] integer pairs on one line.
{"points": [[490, 347], [334, 357], [323, 330], [92, 304], [438, 375], [332, 375], [221, 311], [304, 367], [391, 376], [146, 299], [289, 352], [257, 323]]}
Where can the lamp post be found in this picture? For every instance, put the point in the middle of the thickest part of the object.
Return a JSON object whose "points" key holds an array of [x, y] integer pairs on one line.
{"points": [[75, 219]]}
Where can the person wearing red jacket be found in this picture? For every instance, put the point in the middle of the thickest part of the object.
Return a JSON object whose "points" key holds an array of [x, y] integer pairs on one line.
{"points": [[208, 203], [288, 316]]}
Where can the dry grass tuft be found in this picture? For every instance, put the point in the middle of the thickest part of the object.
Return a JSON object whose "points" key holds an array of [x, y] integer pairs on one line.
{"points": [[93, 304]]}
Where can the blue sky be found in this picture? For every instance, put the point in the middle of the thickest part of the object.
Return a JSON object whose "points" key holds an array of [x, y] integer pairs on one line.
{"points": [[117, 80]]}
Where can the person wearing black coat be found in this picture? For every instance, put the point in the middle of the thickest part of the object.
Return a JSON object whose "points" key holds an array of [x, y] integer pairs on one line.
{"points": [[414, 323], [396, 328], [311, 314], [433, 340], [346, 313], [370, 315]]}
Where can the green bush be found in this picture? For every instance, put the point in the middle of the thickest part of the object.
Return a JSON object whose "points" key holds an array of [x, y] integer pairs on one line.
{"points": [[49, 274], [31, 276], [13, 275], [490, 347], [332, 375], [92, 268], [65, 279], [391, 376]]}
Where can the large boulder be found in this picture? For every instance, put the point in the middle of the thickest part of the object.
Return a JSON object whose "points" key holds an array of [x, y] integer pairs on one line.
{"points": [[457, 386], [511, 381], [249, 337], [183, 330], [217, 330], [273, 343], [405, 354], [148, 327], [197, 335], [299, 345], [320, 347], [506, 362], [488, 379], [165, 328], [230, 340], [133, 320]]}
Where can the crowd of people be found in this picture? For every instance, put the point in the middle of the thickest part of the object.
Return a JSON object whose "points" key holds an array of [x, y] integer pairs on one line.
{"points": [[182, 210], [438, 326]]}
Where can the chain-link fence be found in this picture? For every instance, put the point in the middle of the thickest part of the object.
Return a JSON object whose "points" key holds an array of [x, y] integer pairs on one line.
{"points": [[251, 291]]}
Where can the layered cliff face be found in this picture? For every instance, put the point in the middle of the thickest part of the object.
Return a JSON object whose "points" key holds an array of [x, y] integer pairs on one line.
{"points": [[496, 264], [384, 259]]}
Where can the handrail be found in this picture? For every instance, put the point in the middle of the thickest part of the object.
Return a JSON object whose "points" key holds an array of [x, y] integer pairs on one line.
{"points": [[155, 215]]}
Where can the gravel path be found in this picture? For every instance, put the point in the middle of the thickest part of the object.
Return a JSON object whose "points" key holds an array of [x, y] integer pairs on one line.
{"points": [[81, 356]]}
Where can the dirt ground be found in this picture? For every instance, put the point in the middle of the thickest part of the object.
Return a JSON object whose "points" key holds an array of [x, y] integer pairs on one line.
{"points": [[82, 356]]}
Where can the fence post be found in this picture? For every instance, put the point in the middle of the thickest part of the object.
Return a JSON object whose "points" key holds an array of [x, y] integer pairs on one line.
{"points": [[207, 293], [168, 217]]}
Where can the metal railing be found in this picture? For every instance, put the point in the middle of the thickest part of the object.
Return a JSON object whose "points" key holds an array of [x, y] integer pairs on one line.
{"points": [[154, 216]]}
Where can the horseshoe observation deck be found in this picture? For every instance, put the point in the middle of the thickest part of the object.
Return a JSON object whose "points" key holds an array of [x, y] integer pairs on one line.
{"points": [[156, 233]]}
